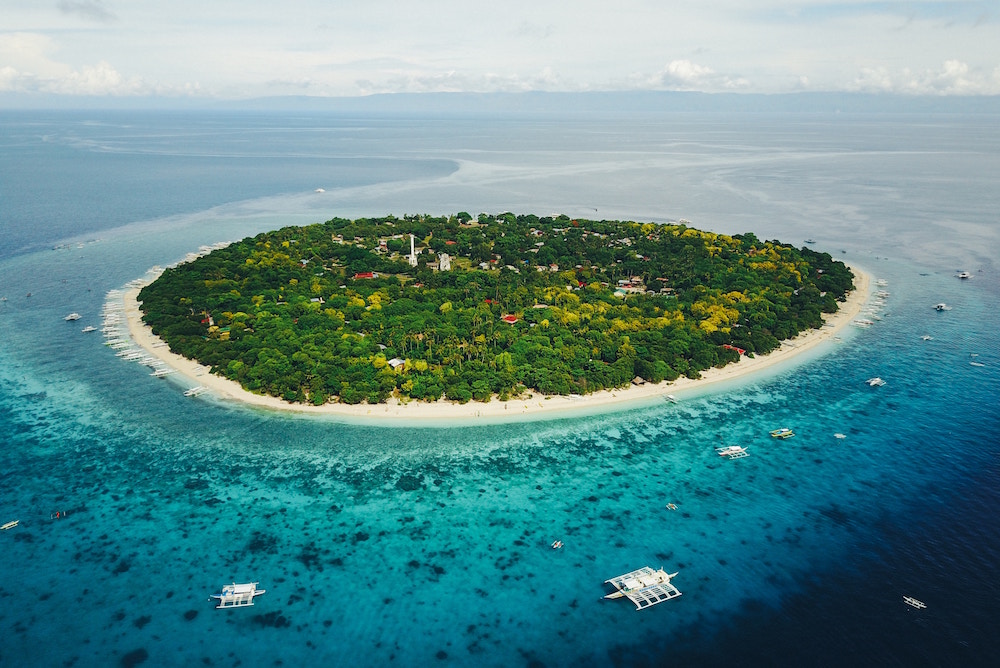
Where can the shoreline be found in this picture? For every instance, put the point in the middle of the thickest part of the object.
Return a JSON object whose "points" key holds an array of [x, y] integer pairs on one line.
{"points": [[536, 407]]}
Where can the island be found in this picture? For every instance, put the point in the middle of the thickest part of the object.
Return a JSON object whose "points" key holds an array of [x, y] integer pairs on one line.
{"points": [[502, 307]]}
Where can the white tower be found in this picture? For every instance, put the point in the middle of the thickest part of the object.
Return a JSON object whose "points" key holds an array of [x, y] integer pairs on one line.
{"points": [[413, 253]]}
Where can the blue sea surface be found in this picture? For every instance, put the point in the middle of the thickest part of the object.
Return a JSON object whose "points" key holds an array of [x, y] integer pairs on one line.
{"points": [[409, 544]]}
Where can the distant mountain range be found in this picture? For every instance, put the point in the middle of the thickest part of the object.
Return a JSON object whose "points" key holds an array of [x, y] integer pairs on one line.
{"points": [[540, 103]]}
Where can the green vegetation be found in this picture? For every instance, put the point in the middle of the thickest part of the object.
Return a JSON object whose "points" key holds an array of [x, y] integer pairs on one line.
{"points": [[336, 312]]}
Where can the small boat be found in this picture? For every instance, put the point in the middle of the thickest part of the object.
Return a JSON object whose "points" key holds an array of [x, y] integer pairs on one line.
{"points": [[963, 275], [238, 595], [810, 241], [195, 391], [927, 337], [732, 451], [839, 435], [671, 506], [875, 382], [942, 307], [9, 525], [784, 432], [160, 373], [73, 316], [644, 587], [909, 600], [89, 328], [671, 398], [557, 544]]}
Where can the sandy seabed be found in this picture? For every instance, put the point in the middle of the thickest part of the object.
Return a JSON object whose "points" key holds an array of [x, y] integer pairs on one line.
{"points": [[537, 406]]}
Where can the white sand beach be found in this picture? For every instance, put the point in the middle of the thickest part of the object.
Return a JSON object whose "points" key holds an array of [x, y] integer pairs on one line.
{"points": [[538, 405]]}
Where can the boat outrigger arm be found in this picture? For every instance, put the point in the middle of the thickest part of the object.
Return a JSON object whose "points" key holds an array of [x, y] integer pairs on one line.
{"points": [[644, 587]]}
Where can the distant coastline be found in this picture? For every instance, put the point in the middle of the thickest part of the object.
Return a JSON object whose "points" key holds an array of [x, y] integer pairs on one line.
{"points": [[536, 407]]}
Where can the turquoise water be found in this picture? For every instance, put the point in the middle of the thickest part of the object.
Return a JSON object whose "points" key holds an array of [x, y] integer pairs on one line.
{"points": [[417, 545]]}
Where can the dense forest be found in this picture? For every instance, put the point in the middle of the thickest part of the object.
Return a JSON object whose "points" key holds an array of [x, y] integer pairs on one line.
{"points": [[493, 306]]}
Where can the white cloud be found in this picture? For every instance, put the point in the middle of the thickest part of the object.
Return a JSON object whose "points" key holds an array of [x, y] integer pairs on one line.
{"points": [[26, 67], [686, 75], [954, 77], [100, 79], [28, 52]]}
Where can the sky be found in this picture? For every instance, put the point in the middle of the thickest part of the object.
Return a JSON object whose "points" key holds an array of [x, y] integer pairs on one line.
{"points": [[223, 49]]}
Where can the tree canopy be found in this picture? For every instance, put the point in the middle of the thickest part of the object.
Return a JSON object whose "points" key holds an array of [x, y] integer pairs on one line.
{"points": [[494, 306]]}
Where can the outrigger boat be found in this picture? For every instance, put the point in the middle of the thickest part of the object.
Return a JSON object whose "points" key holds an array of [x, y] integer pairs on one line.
{"points": [[784, 432], [10, 525], [732, 451], [644, 587], [237, 595], [875, 382], [909, 600]]}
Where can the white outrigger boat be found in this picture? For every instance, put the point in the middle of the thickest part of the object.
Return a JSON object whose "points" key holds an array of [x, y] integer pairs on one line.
{"points": [[875, 382], [732, 451], [912, 602], [644, 587], [10, 525], [237, 595], [195, 391]]}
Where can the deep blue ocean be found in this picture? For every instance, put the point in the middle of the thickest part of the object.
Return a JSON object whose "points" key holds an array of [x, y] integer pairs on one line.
{"points": [[428, 545]]}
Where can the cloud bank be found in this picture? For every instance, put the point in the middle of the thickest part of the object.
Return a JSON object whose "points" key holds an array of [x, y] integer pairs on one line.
{"points": [[230, 49]]}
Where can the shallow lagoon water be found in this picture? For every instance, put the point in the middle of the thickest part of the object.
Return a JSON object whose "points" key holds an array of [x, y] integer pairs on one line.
{"points": [[430, 545]]}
